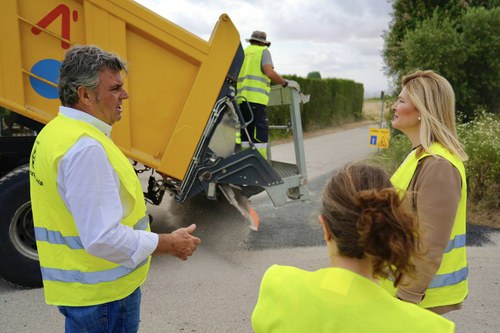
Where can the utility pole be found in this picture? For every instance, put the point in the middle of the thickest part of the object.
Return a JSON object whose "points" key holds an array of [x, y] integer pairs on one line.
{"points": [[381, 109]]}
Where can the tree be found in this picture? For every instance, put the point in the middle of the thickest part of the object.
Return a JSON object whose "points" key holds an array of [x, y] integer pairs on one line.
{"points": [[314, 75], [407, 14], [435, 44], [458, 39], [481, 35]]}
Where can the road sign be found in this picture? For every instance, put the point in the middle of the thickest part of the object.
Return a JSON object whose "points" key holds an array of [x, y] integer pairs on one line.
{"points": [[379, 138]]}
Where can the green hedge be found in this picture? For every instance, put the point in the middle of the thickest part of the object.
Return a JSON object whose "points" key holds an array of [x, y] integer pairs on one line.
{"points": [[333, 102]]}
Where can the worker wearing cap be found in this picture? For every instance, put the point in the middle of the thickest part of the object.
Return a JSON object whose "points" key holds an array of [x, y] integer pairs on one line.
{"points": [[254, 85]]}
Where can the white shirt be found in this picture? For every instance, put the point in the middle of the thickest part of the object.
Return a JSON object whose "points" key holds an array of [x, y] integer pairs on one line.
{"points": [[90, 189]]}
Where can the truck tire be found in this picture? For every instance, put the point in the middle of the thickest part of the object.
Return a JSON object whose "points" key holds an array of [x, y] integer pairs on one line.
{"points": [[18, 254]]}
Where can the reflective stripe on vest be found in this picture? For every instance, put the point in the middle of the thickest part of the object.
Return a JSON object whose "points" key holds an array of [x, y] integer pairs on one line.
{"points": [[455, 243], [68, 276], [74, 242], [71, 275], [449, 279], [443, 280], [252, 83], [449, 285], [253, 77]]}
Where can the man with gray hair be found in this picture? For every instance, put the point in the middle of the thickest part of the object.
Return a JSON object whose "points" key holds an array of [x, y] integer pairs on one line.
{"points": [[91, 224]]}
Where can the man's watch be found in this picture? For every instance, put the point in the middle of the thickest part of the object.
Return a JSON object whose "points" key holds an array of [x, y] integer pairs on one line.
{"points": [[285, 84]]}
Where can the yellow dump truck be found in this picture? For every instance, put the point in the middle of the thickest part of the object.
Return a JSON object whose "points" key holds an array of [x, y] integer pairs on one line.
{"points": [[179, 122]]}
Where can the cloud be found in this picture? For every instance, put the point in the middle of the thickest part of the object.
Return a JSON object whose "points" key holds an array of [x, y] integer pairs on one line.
{"points": [[341, 38]]}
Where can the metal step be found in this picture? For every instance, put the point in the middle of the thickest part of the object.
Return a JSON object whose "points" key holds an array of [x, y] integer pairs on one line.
{"points": [[285, 170]]}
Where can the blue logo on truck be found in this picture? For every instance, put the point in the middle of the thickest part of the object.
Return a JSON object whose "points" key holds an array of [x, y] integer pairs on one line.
{"points": [[47, 69]]}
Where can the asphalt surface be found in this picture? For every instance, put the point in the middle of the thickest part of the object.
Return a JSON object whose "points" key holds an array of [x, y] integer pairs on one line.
{"points": [[216, 289]]}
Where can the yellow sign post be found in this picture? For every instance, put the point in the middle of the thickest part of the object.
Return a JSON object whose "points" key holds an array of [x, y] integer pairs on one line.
{"points": [[379, 138]]}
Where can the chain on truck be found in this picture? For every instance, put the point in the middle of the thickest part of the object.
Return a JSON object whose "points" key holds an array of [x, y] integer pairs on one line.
{"points": [[179, 123]]}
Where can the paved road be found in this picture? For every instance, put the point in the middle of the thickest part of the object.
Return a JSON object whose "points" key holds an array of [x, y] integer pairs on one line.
{"points": [[216, 289]]}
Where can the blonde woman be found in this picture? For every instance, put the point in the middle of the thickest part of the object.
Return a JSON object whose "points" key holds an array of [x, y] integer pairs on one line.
{"points": [[369, 234], [433, 173]]}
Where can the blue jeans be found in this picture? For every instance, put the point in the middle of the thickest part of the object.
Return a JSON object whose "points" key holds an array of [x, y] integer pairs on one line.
{"points": [[120, 316]]}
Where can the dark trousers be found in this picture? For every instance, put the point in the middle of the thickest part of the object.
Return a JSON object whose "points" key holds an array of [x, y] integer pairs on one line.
{"points": [[258, 130]]}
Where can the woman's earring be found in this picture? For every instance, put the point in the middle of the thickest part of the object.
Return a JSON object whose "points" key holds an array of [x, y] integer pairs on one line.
{"points": [[418, 118]]}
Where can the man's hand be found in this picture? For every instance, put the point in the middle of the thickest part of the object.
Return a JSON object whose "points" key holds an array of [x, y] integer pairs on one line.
{"points": [[293, 84], [179, 243]]}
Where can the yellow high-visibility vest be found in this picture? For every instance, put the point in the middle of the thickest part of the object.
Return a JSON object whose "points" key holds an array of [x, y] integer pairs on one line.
{"points": [[252, 83], [335, 300], [71, 275], [449, 286]]}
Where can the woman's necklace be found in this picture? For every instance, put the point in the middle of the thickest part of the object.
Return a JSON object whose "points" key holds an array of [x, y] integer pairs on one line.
{"points": [[415, 147]]}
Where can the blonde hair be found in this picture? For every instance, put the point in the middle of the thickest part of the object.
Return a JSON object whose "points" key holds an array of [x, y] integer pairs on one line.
{"points": [[433, 96]]}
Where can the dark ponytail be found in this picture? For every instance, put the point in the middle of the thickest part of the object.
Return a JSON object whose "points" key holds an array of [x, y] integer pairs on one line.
{"points": [[366, 217]]}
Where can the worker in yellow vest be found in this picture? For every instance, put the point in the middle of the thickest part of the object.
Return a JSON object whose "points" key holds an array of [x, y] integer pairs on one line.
{"points": [[91, 225], [370, 233], [253, 88], [434, 173]]}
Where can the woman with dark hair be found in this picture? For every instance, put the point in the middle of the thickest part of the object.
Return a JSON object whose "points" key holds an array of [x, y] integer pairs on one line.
{"points": [[370, 234]]}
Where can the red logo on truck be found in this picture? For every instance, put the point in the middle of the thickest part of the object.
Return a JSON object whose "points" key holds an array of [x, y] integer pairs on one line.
{"points": [[64, 12]]}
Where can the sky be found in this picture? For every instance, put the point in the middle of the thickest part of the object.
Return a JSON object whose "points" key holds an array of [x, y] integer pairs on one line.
{"points": [[338, 38]]}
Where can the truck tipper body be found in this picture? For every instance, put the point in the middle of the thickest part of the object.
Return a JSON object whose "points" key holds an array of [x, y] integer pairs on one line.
{"points": [[179, 122]]}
